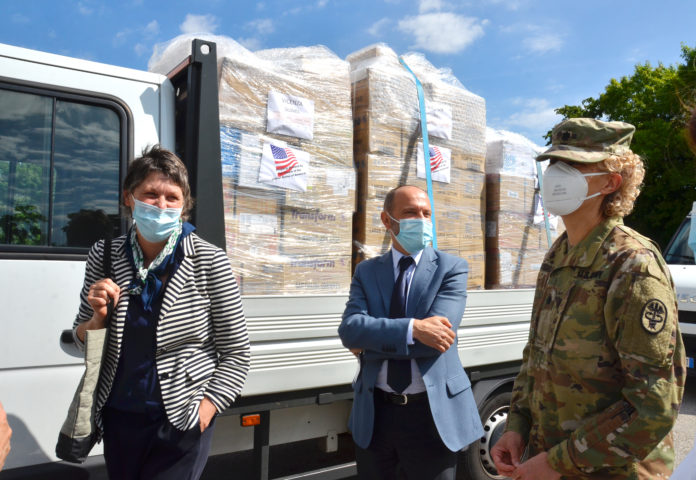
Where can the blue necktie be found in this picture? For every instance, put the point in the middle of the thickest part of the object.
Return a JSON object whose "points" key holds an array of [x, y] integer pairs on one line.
{"points": [[399, 371]]}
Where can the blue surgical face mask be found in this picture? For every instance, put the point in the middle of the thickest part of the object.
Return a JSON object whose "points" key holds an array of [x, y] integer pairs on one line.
{"points": [[414, 233], [155, 224]]}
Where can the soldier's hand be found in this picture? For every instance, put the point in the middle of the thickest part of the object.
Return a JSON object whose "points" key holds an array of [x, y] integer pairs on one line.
{"points": [[435, 332], [507, 452], [536, 468]]}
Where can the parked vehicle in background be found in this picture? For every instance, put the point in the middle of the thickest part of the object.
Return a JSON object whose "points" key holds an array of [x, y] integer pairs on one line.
{"points": [[680, 258]]}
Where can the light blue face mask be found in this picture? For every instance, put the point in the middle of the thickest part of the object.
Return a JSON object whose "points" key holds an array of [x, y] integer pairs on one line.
{"points": [[414, 233], [155, 224]]}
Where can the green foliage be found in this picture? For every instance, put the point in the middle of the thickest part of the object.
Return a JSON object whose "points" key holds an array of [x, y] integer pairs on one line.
{"points": [[23, 227], [657, 100]]}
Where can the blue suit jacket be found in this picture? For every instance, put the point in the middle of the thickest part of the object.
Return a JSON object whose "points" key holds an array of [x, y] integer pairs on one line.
{"points": [[438, 287]]}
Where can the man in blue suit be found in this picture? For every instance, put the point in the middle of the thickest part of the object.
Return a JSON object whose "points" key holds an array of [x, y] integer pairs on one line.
{"points": [[413, 408]]}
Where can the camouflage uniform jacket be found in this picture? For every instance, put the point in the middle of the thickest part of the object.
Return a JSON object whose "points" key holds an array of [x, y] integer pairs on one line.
{"points": [[603, 369]]}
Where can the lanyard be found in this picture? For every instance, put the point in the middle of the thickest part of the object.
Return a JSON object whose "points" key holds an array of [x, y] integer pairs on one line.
{"points": [[426, 147]]}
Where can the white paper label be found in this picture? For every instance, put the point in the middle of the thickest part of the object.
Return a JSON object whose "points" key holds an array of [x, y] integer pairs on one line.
{"points": [[284, 167], [440, 162], [439, 118], [290, 115], [342, 180], [506, 268], [258, 224]]}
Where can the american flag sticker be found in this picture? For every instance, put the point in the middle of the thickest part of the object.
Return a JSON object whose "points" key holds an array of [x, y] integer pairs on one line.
{"points": [[284, 167], [285, 160], [440, 162], [435, 159]]}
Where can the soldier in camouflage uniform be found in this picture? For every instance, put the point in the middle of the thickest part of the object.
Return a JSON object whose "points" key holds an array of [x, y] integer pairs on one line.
{"points": [[603, 370]]}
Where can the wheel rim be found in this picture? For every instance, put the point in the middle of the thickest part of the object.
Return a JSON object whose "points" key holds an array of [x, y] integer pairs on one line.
{"points": [[493, 429]]}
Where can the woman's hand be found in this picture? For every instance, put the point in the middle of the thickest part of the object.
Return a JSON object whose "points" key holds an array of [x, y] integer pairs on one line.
{"points": [[98, 298], [99, 295], [206, 412]]}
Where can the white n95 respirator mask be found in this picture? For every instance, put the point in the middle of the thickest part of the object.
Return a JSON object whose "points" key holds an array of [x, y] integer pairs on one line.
{"points": [[564, 188]]}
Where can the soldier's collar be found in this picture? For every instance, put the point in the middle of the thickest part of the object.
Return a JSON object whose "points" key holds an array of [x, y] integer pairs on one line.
{"points": [[584, 253]]}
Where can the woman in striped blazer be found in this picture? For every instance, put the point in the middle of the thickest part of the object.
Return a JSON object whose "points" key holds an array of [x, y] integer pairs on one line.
{"points": [[178, 349]]}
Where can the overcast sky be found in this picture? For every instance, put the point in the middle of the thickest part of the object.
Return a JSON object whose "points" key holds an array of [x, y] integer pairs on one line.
{"points": [[524, 57]]}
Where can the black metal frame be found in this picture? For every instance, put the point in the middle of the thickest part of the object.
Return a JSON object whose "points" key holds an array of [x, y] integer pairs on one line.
{"points": [[197, 124]]}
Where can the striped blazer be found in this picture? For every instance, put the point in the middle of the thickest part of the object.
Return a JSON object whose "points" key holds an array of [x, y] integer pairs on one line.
{"points": [[202, 340]]}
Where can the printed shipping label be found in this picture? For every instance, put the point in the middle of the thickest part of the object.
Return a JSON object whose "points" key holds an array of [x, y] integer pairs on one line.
{"points": [[439, 118], [290, 115], [284, 167], [440, 163], [506, 268], [258, 224], [341, 180]]}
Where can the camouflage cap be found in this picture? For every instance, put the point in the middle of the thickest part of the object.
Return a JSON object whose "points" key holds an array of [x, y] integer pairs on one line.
{"points": [[587, 140]]}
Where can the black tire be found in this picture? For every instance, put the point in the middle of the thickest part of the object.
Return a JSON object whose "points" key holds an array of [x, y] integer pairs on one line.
{"points": [[475, 462]]}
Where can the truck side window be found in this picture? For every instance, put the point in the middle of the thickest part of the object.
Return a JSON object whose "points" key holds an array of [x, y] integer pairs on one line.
{"points": [[59, 170]]}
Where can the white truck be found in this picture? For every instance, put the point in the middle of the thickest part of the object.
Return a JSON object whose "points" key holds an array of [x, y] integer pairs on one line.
{"points": [[68, 128], [680, 259]]}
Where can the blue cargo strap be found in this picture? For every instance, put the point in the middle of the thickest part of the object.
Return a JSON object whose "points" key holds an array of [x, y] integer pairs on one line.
{"points": [[426, 147], [543, 208]]}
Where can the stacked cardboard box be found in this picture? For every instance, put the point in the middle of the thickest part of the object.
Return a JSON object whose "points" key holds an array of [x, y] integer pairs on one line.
{"points": [[388, 145], [516, 237], [289, 179]]}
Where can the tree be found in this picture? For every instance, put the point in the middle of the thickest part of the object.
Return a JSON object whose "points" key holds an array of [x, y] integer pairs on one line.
{"points": [[658, 101]]}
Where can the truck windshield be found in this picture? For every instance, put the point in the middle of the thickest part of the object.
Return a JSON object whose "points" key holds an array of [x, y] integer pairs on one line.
{"points": [[678, 251]]}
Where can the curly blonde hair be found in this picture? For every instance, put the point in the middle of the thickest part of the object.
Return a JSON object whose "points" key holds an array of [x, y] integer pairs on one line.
{"points": [[630, 167]]}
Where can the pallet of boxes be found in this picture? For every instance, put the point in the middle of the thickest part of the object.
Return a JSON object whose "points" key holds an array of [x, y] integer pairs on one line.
{"points": [[388, 152], [286, 138], [516, 235], [288, 177]]}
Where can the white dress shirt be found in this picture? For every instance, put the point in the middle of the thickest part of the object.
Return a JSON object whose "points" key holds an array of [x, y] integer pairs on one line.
{"points": [[417, 384]]}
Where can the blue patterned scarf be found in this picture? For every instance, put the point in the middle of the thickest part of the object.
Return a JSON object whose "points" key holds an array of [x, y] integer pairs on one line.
{"points": [[147, 282]]}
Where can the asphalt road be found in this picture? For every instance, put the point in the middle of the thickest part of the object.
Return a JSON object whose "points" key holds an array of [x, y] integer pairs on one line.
{"points": [[685, 429]]}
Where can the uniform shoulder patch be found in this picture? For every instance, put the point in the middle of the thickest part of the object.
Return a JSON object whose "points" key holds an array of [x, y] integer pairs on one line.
{"points": [[653, 317]]}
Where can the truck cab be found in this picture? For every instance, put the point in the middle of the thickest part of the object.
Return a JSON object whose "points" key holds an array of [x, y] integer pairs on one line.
{"points": [[680, 258]]}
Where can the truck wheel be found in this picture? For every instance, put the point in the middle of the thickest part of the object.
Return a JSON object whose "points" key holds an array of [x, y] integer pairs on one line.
{"points": [[476, 461]]}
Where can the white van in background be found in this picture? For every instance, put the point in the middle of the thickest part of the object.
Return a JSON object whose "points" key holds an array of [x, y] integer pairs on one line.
{"points": [[682, 265]]}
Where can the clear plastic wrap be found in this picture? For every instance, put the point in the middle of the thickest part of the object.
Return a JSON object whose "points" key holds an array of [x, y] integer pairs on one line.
{"points": [[288, 176], [516, 239], [388, 152]]}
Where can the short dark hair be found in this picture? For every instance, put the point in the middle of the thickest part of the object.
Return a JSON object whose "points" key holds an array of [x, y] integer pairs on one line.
{"points": [[389, 199], [160, 160]]}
